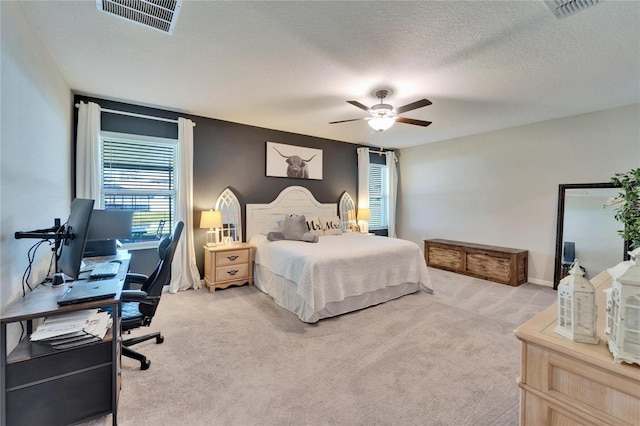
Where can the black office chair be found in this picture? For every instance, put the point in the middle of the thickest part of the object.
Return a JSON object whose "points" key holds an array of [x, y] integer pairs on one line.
{"points": [[141, 296]]}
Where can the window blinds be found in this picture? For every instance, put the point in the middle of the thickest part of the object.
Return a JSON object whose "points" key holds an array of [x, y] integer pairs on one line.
{"points": [[141, 176], [378, 196]]}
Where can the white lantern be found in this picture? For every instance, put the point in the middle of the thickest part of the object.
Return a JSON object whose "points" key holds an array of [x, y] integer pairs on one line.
{"points": [[577, 307], [624, 338], [609, 322]]}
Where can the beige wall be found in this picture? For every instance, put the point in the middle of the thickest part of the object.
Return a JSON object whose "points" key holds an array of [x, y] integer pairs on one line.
{"points": [[35, 152], [500, 188]]}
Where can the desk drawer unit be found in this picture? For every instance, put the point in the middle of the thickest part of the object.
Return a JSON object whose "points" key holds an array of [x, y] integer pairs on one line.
{"points": [[228, 265], [78, 382]]}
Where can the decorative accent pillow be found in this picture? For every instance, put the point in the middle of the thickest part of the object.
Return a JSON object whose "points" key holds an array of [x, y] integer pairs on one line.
{"points": [[331, 225], [314, 226], [293, 228]]}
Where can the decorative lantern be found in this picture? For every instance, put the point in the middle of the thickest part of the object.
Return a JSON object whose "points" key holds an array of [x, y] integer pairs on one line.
{"points": [[609, 322], [577, 307], [624, 338]]}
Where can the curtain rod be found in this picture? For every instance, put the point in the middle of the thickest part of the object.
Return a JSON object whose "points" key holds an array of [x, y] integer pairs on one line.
{"points": [[132, 114]]}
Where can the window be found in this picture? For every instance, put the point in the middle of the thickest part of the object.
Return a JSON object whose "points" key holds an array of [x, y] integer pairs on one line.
{"points": [[378, 196], [139, 173]]}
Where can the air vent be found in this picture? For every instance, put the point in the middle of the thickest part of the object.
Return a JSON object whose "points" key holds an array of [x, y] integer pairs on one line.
{"points": [[564, 8], [158, 14]]}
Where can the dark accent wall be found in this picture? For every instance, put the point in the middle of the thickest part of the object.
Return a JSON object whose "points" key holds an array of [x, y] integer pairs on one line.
{"points": [[233, 155]]}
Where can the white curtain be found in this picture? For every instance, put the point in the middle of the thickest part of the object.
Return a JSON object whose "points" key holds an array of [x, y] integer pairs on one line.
{"points": [[184, 272], [88, 154], [363, 183], [392, 181], [363, 177]]}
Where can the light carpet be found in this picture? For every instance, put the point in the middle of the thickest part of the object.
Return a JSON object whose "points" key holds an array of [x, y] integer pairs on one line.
{"points": [[236, 358]]}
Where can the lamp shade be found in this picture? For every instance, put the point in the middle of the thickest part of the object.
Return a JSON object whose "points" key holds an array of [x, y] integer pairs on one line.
{"points": [[211, 219], [364, 214], [381, 123]]}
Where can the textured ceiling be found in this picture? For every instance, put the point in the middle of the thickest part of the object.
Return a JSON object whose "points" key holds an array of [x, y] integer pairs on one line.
{"points": [[291, 66]]}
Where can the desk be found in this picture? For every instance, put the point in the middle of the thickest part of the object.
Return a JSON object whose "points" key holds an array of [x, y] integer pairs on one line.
{"points": [[41, 385]]}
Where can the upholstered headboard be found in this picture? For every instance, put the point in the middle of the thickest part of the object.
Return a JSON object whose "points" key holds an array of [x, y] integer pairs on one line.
{"points": [[262, 218]]}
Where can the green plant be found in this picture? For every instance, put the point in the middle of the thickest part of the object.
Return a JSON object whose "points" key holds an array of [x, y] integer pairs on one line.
{"points": [[628, 211]]}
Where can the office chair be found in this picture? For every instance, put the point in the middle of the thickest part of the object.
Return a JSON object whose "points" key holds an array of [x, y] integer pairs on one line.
{"points": [[141, 296]]}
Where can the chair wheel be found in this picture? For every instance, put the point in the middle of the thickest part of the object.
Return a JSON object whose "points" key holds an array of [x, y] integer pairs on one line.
{"points": [[159, 339], [145, 364]]}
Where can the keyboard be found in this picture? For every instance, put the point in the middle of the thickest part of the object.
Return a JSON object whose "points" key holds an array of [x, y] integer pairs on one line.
{"points": [[105, 270]]}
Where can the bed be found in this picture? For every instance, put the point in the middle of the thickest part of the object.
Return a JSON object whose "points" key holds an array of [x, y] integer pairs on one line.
{"points": [[338, 274]]}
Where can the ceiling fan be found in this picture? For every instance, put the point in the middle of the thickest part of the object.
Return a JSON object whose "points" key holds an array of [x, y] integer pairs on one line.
{"points": [[382, 116]]}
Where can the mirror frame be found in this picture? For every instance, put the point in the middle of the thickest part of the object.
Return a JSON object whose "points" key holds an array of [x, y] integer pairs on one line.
{"points": [[231, 210], [562, 188], [346, 203]]}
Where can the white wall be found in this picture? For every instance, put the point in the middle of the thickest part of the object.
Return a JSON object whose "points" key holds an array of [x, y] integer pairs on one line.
{"points": [[501, 188], [35, 154]]}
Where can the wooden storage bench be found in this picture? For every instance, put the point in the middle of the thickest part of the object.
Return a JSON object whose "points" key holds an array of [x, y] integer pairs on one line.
{"points": [[499, 264]]}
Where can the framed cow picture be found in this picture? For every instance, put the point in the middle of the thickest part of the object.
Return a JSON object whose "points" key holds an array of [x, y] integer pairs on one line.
{"points": [[293, 161]]}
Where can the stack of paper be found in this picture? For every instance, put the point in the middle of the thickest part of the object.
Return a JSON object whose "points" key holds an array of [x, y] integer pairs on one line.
{"points": [[73, 329]]}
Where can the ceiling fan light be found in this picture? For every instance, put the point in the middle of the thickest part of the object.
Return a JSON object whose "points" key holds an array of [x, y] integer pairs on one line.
{"points": [[381, 123]]}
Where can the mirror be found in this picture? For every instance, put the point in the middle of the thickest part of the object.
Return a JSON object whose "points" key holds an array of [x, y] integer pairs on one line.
{"points": [[587, 230], [229, 208], [347, 210]]}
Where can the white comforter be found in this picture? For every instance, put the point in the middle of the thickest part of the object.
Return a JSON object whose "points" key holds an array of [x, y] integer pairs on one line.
{"points": [[340, 266]]}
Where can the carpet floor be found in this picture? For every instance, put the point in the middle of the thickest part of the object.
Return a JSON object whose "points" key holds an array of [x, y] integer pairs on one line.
{"points": [[236, 358]]}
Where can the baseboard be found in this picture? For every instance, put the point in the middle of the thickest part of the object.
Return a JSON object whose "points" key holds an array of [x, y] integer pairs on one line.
{"points": [[540, 282]]}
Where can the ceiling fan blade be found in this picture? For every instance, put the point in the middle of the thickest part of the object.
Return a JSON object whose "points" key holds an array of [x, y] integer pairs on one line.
{"points": [[414, 105], [413, 121], [346, 121], [359, 105]]}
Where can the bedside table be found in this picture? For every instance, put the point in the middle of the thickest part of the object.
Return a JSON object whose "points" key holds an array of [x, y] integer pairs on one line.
{"points": [[226, 265]]}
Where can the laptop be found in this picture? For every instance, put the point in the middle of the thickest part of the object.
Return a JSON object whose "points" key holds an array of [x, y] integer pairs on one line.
{"points": [[86, 291]]}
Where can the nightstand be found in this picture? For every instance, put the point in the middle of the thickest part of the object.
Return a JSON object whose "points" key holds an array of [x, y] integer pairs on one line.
{"points": [[226, 265]]}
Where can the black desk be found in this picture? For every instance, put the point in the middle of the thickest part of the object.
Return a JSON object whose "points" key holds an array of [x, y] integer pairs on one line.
{"points": [[41, 385]]}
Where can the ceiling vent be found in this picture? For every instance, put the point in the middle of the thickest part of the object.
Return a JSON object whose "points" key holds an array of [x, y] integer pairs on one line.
{"points": [[564, 8], [158, 14]]}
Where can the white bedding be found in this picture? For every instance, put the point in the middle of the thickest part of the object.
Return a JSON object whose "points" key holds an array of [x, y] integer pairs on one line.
{"points": [[339, 268]]}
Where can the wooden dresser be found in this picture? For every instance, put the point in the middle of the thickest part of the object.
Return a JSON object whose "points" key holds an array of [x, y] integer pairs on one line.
{"points": [[500, 264], [567, 383], [226, 265]]}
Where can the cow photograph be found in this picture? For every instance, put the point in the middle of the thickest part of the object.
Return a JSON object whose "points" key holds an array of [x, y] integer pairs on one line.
{"points": [[293, 161]]}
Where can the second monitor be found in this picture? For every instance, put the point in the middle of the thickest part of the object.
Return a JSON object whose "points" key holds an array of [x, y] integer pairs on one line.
{"points": [[105, 229]]}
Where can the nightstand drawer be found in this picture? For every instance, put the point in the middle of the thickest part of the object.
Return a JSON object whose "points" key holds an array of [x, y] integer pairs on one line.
{"points": [[232, 272], [232, 257]]}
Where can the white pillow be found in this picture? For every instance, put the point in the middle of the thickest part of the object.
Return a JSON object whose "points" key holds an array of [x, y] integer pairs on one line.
{"points": [[314, 226], [331, 225]]}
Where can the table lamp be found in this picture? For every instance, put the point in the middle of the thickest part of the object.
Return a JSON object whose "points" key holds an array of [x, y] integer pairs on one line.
{"points": [[212, 220], [364, 214]]}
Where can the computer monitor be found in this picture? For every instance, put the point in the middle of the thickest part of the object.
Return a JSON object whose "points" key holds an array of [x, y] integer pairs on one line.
{"points": [[568, 252], [105, 228], [70, 239], [75, 237]]}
